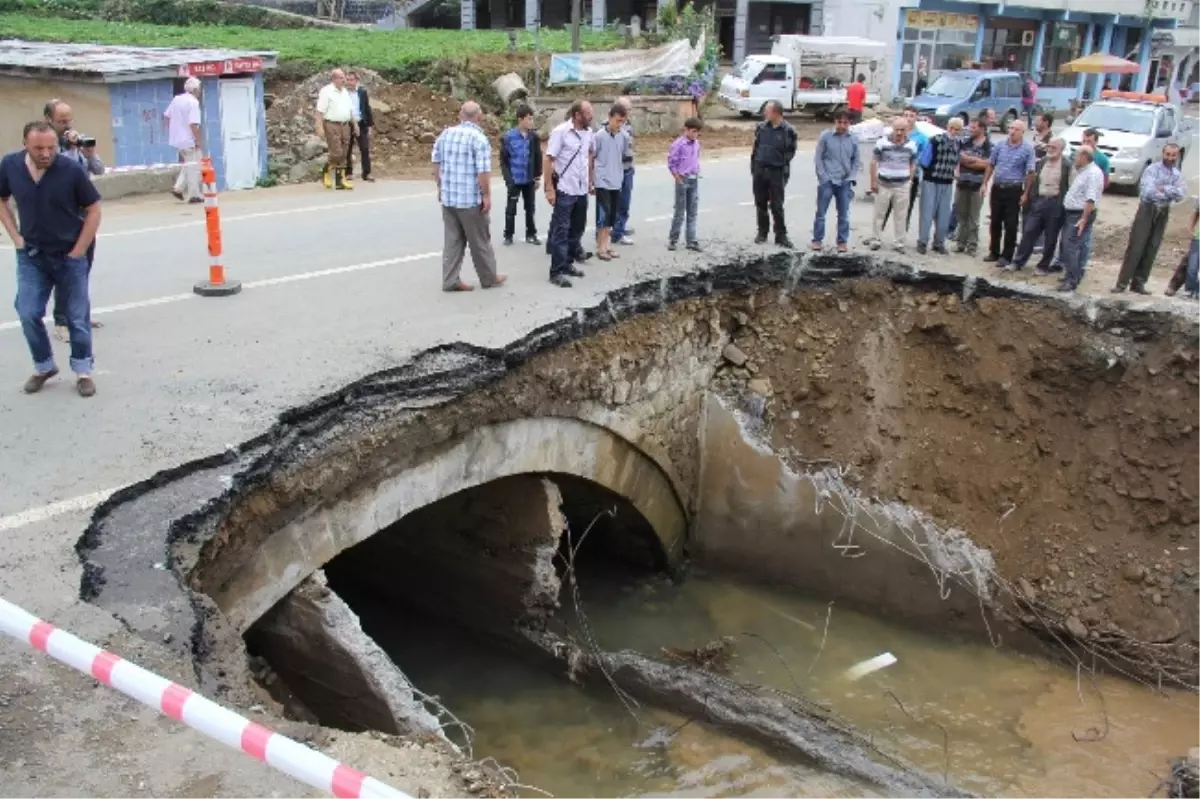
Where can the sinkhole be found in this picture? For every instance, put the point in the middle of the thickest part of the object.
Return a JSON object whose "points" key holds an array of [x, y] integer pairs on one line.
{"points": [[637, 550]]}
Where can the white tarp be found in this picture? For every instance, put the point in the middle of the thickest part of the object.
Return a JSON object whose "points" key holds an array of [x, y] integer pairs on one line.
{"points": [[618, 66]]}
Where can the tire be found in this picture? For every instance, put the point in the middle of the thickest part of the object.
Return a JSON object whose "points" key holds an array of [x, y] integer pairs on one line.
{"points": [[746, 114], [1008, 119]]}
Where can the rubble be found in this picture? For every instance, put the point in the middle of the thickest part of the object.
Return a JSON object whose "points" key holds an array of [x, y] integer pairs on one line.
{"points": [[408, 118]]}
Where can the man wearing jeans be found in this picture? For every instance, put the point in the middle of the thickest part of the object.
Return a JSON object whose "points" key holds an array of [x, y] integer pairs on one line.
{"points": [[568, 168], [940, 160], [1079, 211], [837, 164], [183, 133], [622, 233], [60, 213], [683, 162], [1009, 174]]}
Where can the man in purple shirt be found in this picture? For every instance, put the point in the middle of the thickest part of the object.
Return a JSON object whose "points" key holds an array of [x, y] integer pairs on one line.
{"points": [[683, 161], [568, 166]]}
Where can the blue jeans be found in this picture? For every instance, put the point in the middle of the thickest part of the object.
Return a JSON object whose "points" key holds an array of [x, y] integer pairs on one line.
{"points": [[937, 199], [1074, 248], [687, 199], [1192, 284], [622, 220], [567, 223], [841, 194], [39, 273], [60, 307]]}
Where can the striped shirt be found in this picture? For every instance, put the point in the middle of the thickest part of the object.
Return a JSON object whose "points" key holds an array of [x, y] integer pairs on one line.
{"points": [[895, 160]]}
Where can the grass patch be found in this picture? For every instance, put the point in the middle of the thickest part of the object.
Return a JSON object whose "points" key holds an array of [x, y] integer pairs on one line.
{"points": [[386, 51]]}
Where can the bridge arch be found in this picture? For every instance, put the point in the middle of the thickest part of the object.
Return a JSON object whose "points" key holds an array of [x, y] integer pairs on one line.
{"points": [[542, 445]]}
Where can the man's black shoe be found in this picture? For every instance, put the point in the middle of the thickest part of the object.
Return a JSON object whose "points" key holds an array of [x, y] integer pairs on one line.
{"points": [[761, 238], [785, 243], [561, 281], [533, 239], [580, 259], [573, 271], [508, 241]]}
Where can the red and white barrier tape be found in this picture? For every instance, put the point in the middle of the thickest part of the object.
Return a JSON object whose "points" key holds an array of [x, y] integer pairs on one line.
{"points": [[279, 752]]}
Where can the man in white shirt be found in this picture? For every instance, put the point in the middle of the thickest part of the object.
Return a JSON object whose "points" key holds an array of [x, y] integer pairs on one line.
{"points": [[183, 133], [335, 124], [1079, 210]]}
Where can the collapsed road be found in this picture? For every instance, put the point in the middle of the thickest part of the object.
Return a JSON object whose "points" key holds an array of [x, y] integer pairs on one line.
{"points": [[960, 456]]}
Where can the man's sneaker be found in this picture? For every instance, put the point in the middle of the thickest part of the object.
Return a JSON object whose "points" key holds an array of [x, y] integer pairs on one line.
{"points": [[561, 281], [991, 259], [85, 386], [761, 238], [1118, 289], [921, 248], [1040, 272], [178, 194], [1001, 263], [573, 271], [959, 248], [35, 382], [875, 244], [628, 232], [583, 258], [785, 243], [533, 239], [508, 241], [626, 241], [694, 246], [1139, 290], [900, 248], [672, 245], [195, 200], [817, 246], [940, 250]]}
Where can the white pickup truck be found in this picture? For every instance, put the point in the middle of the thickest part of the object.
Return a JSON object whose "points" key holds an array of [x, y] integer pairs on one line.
{"points": [[1133, 129], [796, 62]]}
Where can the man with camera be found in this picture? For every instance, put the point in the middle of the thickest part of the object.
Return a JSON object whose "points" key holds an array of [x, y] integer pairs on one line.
{"points": [[72, 143], [82, 150]]}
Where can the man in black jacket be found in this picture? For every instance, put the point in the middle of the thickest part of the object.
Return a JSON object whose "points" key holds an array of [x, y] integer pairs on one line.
{"points": [[366, 121], [521, 165], [770, 167]]}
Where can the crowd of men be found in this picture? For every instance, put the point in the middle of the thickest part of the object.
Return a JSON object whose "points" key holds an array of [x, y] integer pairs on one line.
{"points": [[1037, 196]]}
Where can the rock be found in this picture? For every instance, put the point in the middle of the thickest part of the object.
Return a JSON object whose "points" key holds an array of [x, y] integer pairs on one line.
{"points": [[428, 137], [1076, 627], [621, 391], [741, 318], [379, 106], [760, 386], [1026, 589], [1133, 572], [1156, 598], [313, 146], [1091, 550], [1053, 569], [734, 355], [1091, 615]]}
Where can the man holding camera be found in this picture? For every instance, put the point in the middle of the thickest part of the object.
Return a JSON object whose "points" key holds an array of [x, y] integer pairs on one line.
{"points": [[82, 150]]}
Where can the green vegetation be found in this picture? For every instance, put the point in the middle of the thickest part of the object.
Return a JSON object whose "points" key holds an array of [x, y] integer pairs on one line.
{"points": [[393, 53]]}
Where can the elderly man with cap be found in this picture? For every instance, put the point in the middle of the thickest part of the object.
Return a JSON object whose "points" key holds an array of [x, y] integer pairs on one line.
{"points": [[183, 133]]}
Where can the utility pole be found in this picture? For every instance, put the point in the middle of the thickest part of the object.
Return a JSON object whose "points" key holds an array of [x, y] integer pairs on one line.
{"points": [[576, 13]]}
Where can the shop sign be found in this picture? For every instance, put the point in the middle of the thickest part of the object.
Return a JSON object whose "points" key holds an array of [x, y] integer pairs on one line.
{"points": [[915, 18], [232, 66]]}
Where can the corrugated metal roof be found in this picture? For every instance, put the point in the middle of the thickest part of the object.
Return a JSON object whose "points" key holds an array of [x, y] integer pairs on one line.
{"points": [[104, 63]]}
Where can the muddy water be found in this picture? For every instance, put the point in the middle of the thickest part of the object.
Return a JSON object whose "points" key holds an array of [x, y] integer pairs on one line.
{"points": [[999, 723]]}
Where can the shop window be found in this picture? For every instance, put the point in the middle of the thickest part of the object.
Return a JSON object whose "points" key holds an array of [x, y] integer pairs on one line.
{"points": [[1057, 54]]}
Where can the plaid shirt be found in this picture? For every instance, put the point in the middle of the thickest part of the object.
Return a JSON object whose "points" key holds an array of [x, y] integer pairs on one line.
{"points": [[463, 153]]}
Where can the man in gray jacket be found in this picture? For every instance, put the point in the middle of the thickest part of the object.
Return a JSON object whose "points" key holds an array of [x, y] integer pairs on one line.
{"points": [[837, 161]]}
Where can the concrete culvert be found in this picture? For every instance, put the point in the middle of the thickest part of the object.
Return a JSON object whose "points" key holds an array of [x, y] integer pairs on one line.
{"points": [[811, 460]]}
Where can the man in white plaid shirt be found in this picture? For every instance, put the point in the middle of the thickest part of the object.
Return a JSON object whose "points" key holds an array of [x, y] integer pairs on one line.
{"points": [[462, 169]]}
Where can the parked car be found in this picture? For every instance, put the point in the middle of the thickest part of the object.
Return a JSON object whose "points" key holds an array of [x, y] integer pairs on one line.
{"points": [[1133, 129], [797, 73], [965, 93]]}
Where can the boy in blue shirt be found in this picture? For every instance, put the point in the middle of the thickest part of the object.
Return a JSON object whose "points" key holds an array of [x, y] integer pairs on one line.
{"points": [[521, 165]]}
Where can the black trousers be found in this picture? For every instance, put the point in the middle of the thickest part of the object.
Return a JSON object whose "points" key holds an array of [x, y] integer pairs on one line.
{"points": [[1006, 219], [912, 203], [769, 184], [1043, 217], [363, 139], [523, 192]]}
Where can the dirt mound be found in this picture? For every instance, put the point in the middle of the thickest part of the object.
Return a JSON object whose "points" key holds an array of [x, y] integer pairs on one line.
{"points": [[408, 118]]}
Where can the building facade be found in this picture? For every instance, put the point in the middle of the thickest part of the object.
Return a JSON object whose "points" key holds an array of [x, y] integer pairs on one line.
{"points": [[119, 94], [1032, 36]]}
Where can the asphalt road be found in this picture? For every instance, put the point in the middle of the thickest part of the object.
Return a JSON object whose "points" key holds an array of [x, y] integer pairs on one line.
{"points": [[337, 285]]}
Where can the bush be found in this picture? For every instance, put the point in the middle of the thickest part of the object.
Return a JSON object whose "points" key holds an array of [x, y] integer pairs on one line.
{"points": [[673, 26]]}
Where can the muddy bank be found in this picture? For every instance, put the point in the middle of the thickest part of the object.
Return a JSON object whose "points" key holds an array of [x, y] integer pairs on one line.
{"points": [[968, 406]]}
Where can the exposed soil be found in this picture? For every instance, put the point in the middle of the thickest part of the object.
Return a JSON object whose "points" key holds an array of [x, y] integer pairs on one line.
{"points": [[1069, 453]]}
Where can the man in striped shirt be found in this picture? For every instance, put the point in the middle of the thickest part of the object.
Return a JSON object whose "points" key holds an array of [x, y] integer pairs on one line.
{"points": [[892, 169]]}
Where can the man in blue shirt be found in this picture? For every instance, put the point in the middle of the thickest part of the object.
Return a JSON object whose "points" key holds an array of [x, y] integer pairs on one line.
{"points": [[521, 165], [1162, 186], [60, 213], [1010, 174], [837, 164]]}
